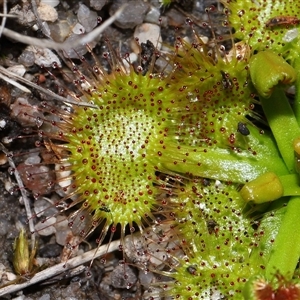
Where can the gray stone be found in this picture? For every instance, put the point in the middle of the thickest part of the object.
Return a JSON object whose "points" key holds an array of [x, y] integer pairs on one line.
{"points": [[133, 14], [87, 18], [123, 276], [27, 58], [97, 4]]}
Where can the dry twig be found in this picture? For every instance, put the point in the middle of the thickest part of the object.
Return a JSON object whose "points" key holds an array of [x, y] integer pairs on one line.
{"points": [[23, 192], [39, 88]]}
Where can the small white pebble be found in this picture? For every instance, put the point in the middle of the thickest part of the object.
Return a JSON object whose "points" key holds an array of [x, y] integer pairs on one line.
{"points": [[52, 3], [63, 176], [21, 200], [132, 58], [147, 31], [6, 140], [45, 297], [47, 12], [46, 228], [11, 276], [9, 186], [35, 27], [2, 124], [44, 56], [17, 69], [33, 159], [78, 29]]}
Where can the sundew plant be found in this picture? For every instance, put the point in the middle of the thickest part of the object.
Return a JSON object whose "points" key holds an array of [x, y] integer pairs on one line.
{"points": [[210, 147]]}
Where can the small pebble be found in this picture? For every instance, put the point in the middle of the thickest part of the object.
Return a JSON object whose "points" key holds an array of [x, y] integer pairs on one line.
{"points": [[144, 32], [98, 4], [46, 228], [145, 278], [60, 30], [52, 3], [118, 274], [175, 19], [25, 14], [87, 18], [22, 297], [133, 14], [62, 230], [50, 250], [44, 57], [47, 12], [45, 297], [78, 29], [27, 58], [33, 159], [3, 159], [43, 207], [79, 50], [2, 124], [17, 69], [4, 226], [63, 176], [152, 16]]}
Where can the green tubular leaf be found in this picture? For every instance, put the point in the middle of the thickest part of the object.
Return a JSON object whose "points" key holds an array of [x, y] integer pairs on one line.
{"points": [[286, 250], [291, 185], [267, 70], [283, 124]]}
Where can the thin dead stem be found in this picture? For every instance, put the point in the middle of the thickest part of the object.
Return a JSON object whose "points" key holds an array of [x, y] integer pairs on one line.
{"points": [[23, 193], [4, 18], [39, 88]]}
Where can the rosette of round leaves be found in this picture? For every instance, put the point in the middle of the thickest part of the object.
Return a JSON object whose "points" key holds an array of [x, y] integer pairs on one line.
{"points": [[218, 239], [114, 150], [266, 25], [145, 123]]}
